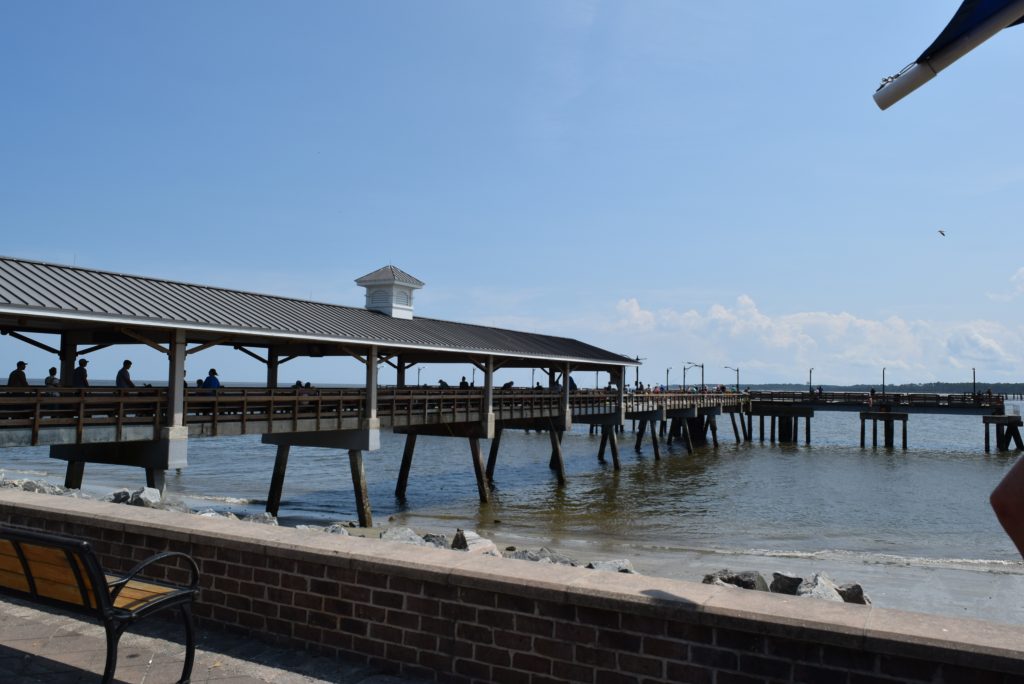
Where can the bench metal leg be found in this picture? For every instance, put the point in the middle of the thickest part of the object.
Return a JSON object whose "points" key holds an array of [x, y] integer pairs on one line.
{"points": [[113, 636], [190, 643]]}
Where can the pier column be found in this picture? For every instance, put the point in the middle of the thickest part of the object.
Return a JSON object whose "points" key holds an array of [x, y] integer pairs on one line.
{"points": [[760, 420], [889, 429], [478, 469], [654, 442], [277, 479], [613, 442], [604, 443], [557, 463], [773, 430], [492, 457], [986, 438], [640, 433], [273, 362], [403, 472], [904, 435], [355, 463], [68, 354], [400, 367], [713, 424], [807, 430], [750, 428], [735, 430], [687, 442], [874, 433], [487, 411]]}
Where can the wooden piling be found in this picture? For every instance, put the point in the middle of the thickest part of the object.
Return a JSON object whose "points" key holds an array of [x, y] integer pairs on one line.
{"points": [[613, 442], [604, 443], [277, 479], [355, 463], [478, 469], [556, 455], [403, 471], [492, 456], [735, 430]]}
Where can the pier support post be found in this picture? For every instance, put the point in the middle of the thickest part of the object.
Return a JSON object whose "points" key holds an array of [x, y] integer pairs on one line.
{"points": [[750, 427], [654, 443], [403, 471], [713, 424], [277, 479], [862, 432], [761, 421], [604, 443], [613, 442], [687, 442], [478, 469], [156, 478], [735, 430], [874, 433], [76, 470], [355, 463], [904, 435], [807, 430], [492, 456], [889, 430], [986, 438], [640, 433], [556, 455], [773, 430]]}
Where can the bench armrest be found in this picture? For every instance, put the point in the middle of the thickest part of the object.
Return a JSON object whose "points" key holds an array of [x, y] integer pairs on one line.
{"points": [[118, 585]]}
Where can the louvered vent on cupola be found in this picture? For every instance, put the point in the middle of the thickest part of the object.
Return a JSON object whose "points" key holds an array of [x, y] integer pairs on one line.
{"points": [[389, 291]]}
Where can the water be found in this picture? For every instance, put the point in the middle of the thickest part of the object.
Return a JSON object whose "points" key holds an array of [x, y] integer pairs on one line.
{"points": [[913, 527]]}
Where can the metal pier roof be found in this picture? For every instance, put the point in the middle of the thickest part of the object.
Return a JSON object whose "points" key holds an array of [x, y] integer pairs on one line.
{"points": [[49, 297]]}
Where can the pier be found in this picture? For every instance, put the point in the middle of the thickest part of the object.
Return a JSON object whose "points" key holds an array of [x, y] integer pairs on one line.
{"points": [[150, 427]]}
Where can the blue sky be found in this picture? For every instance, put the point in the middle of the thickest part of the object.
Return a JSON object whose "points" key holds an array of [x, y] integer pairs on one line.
{"points": [[673, 180]]}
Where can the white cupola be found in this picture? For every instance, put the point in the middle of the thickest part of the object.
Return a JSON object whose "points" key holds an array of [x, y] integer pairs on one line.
{"points": [[389, 291]]}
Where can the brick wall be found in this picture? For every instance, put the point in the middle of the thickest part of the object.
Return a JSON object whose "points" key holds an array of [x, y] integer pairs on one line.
{"points": [[455, 617]]}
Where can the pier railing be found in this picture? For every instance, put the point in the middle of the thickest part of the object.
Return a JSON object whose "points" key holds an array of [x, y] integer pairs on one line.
{"points": [[78, 409], [908, 399]]}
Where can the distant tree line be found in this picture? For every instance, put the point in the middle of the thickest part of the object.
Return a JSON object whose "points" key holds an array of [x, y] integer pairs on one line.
{"points": [[913, 387]]}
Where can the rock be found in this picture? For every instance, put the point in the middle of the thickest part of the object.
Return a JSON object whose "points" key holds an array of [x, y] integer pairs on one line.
{"points": [[854, 593], [613, 566], [819, 586], [147, 497], [784, 583], [39, 486], [120, 496], [263, 518], [210, 513], [471, 542], [402, 534], [438, 540], [337, 528], [745, 580]]}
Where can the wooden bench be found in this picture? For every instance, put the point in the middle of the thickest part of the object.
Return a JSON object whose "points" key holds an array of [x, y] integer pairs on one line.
{"points": [[65, 573]]}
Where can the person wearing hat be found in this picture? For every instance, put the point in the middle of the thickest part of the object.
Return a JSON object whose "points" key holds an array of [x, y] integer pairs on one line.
{"points": [[80, 376], [17, 377], [211, 381]]}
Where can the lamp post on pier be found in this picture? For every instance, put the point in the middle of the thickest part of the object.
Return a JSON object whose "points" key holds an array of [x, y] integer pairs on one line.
{"points": [[883, 381], [974, 380], [666, 377], [701, 366], [474, 377], [810, 381], [737, 377], [419, 369], [533, 371]]}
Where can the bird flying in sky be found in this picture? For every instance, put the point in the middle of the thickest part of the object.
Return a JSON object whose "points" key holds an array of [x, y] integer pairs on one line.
{"points": [[942, 233]]}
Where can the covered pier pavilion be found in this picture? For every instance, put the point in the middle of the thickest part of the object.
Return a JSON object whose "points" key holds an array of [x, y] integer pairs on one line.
{"points": [[149, 428]]}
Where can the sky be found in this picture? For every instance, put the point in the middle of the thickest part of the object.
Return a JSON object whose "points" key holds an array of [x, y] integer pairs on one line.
{"points": [[675, 181]]}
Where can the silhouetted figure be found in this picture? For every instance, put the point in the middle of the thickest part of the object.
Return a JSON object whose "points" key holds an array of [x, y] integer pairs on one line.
{"points": [[124, 378], [211, 381], [463, 384], [52, 380], [508, 385], [442, 384], [17, 377], [80, 376]]}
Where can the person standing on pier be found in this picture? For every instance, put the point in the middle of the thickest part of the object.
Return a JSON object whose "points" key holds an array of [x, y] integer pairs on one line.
{"points": [[124, 378], [211, 381], [17, 377], [80, 376]]}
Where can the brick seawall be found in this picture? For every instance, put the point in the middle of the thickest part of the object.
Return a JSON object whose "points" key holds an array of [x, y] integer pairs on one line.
{"points": [[455, 617]]}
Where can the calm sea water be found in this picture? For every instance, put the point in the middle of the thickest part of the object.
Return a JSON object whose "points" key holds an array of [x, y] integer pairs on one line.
{"points": [[914, 527]]}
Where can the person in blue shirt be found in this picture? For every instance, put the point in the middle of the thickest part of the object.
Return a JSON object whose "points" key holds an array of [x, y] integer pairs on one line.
{"points": [[211, 381], [124, 378]]}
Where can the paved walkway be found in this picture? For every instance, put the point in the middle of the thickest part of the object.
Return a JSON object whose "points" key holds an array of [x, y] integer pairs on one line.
{"points": [[44, 647]]}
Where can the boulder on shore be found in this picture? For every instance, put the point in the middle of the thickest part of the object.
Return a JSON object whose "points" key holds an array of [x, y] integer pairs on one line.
{"points": [[402, 534], [622, 565], [784, 583], [748, 579], [471, 542], [854, 593], [819, 586]]}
